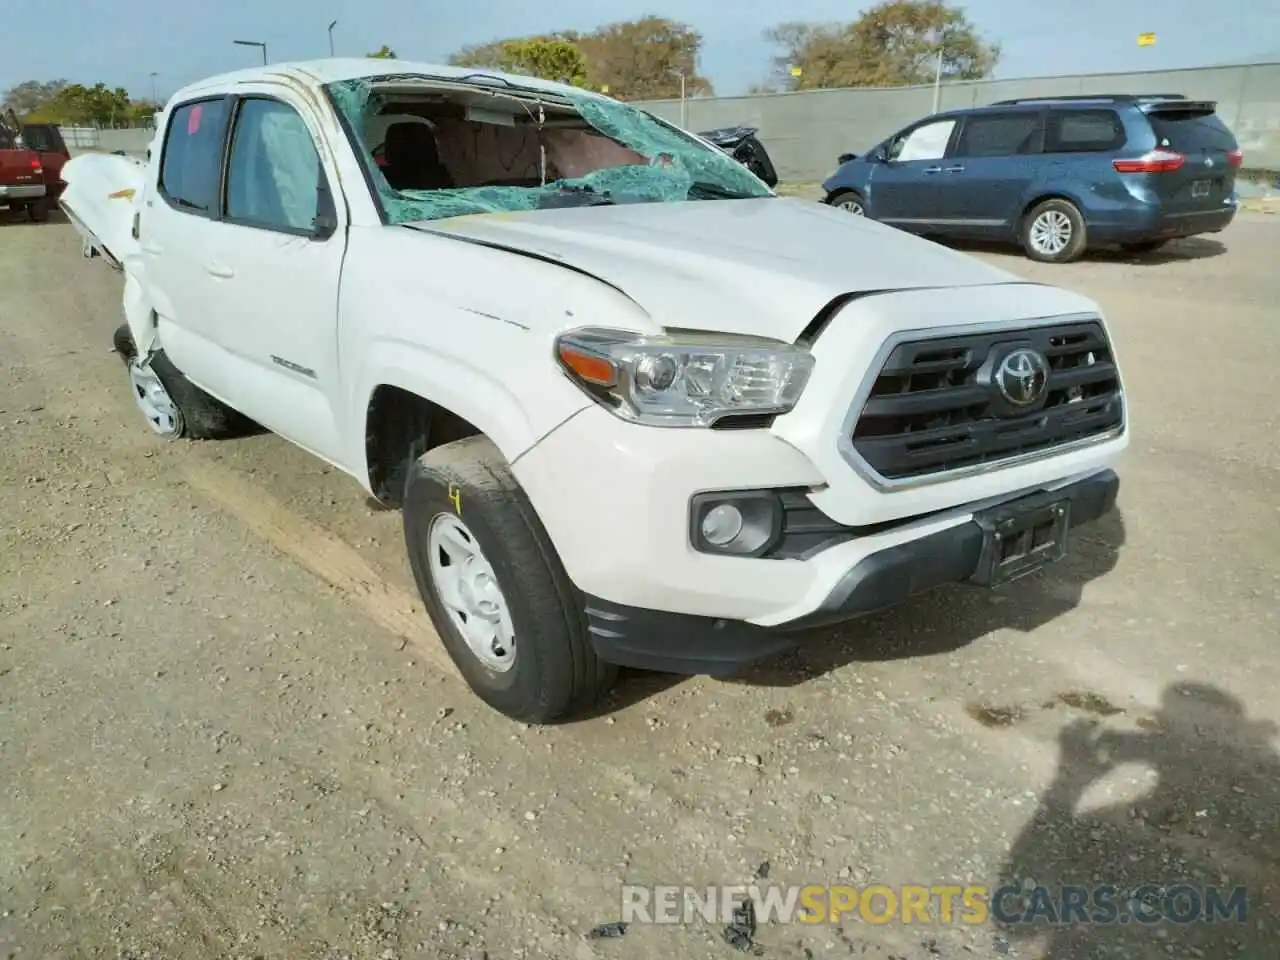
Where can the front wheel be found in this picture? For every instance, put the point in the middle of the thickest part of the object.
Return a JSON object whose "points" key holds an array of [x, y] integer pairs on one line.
{"points": [[1053, 232], [496, 591], [850, 201]]}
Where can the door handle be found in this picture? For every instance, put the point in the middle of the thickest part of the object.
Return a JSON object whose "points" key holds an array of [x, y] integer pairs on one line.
{"points": [[956, 169], [219, 270], [932, 169]]}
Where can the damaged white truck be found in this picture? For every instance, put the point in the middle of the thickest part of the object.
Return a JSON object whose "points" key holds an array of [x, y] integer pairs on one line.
{"points": [[637, 409]]}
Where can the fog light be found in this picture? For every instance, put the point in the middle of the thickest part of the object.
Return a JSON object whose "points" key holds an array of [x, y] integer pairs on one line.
{"points": [[722, 524], [737, 523]]}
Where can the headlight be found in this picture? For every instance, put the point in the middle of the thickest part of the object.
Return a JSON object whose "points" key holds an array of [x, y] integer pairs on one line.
{"points": [[684, 379]]}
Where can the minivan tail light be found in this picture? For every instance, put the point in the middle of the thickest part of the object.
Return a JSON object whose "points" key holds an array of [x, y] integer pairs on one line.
{"points": [[1235, 157], [36, 165], [1157, 161]]}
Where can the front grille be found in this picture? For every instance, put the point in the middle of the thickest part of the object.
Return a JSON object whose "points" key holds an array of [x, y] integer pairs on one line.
{"points": [[936, 406]]}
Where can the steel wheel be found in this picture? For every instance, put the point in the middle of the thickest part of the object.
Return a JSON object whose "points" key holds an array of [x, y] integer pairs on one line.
{"points": [[1051, 233], [469, 592], [153, 400]]}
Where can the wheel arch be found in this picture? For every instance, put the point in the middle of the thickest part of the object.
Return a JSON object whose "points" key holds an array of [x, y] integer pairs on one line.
{"points": [[413, 400]]}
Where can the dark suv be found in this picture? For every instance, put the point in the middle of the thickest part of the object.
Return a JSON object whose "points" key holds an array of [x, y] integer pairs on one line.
{"points": [[1056, 174]]}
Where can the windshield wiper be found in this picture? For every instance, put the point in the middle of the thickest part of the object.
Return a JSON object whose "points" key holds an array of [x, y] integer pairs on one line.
{"points": [[706, 190]]}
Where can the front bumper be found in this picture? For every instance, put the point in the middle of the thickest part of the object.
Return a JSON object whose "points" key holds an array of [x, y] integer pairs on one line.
{"points": [[678, 643]]}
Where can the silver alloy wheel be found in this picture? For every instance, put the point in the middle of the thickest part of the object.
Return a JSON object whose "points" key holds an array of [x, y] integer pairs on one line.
{"points": [[153, 400], [850, 205], [1050, 233], [470, 593]]}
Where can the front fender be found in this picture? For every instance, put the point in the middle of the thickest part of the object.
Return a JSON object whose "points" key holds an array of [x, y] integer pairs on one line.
{"points": [[514, 412]]}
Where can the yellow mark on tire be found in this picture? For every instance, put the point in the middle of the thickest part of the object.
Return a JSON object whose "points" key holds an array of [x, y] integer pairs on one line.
{"points": [[455, 497], [333, 561]]}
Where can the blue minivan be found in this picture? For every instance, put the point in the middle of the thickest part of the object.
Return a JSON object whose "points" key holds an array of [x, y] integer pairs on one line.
{"points": [[1057, 175]]}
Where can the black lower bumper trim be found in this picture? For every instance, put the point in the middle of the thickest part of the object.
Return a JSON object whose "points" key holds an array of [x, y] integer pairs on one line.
{"points": [[680, 643]]}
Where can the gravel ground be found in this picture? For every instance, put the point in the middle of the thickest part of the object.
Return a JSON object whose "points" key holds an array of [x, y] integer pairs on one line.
{"points": [[227, 731]]}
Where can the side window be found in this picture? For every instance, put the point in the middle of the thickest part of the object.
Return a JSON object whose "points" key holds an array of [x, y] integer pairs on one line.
{"points": [[1000, 135], [927, 142], [192, 158], [274, 172], [1083, 131], [38, 138]]}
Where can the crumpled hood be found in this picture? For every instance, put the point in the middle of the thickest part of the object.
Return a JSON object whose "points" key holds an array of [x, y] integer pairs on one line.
{"points": [[764, 267]]}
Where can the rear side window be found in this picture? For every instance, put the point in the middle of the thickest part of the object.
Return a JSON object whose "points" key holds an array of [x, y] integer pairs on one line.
{"points": [[190, 167], [1191, 132], [1000, 135], [6, 139], [1083, 131]]}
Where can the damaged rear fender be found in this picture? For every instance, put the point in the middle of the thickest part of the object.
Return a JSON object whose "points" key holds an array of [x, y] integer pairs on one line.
{"points": [[140, 315]]}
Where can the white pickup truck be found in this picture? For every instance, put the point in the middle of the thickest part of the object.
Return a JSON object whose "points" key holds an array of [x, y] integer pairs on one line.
{"points": [[637, 409]]}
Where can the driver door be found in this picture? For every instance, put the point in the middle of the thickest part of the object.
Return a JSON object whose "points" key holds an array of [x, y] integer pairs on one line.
{"points": [[904, 190]]}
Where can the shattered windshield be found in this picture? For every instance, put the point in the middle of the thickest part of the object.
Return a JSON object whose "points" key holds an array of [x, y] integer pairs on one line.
{"points": [[494, 150]]}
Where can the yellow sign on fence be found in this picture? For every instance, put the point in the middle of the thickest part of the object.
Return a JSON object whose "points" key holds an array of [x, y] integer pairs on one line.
{"points": [[1146, 39], [796, 71]]}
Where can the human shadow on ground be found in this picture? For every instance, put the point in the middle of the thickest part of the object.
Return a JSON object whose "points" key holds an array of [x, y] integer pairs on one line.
{"points": [[1170, 874]]}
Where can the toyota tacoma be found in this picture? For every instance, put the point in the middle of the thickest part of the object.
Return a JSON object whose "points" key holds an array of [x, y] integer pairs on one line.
{"points": [[636, 409]]}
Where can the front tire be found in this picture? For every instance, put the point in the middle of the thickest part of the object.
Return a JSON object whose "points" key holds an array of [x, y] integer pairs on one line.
{"points": [[850, 201], [172, 405], [496, 591], [1054, 232]]}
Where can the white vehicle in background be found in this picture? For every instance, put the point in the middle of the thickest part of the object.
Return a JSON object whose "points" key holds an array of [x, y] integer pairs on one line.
{"points": [[637, 410]]}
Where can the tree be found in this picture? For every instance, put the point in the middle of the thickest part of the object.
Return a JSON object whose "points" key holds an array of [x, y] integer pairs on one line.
{"points": [[644, 59], [892, 44], [635, 59], [96, 105], [32, 96], [382, 53], [545, 57]]}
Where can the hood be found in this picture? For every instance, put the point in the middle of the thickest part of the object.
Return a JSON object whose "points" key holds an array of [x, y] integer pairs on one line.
{"points": [[763, 267]]}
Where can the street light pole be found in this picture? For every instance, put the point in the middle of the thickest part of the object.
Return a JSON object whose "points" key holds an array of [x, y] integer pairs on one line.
{"points": [[937, 82], [154, 99], [254, 43], [331, 26], [684, 104]]}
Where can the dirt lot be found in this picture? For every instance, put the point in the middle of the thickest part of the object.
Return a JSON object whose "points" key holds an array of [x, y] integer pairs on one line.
{"points": [[226, 731]]}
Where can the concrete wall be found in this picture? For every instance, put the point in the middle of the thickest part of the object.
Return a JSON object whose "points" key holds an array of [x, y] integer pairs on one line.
{"points": [[805, 132]]}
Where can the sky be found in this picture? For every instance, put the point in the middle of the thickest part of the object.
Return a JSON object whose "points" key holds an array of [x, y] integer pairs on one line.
{"points": [[121, 42]]}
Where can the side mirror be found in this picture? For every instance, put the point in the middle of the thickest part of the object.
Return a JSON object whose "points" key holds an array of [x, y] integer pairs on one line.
{"points": [[845, 158]]}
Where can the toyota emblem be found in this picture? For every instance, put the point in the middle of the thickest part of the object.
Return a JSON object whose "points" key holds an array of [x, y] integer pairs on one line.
{"points": [[1022, 376]]}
